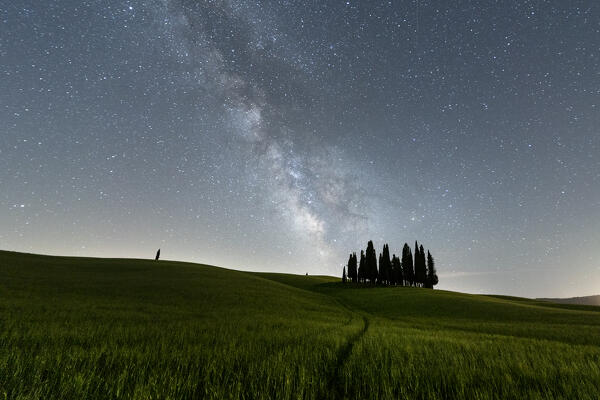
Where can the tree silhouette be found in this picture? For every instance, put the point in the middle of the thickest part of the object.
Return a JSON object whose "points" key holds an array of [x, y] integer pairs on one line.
{"points": [[362, 267], [407, 266], [396, 271], [352, 268], [385, 266], [371, 262], [432, 277], [402, 271], [157, 255], [381, 270], [416, 265], [350, 261], [420, 267], [423, 263], [392, 272], [427, 283]]}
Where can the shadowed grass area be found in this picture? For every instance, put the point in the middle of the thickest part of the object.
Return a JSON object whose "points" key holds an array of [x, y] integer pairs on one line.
{"points": [[115, 328]]}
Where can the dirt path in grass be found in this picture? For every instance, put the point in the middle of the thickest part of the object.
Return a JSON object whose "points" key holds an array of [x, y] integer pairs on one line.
{"points": [[336, 383]]}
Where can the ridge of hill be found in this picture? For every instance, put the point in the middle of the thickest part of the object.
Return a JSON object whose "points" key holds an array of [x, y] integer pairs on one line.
{"points": [[583, 300]]}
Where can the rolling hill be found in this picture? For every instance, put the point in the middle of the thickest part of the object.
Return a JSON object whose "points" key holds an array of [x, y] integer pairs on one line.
{"points": [[583, 300], [123, 328]]}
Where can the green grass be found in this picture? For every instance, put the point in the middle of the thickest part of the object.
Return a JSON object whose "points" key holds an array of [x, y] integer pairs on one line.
{"points": [[82, 328]]}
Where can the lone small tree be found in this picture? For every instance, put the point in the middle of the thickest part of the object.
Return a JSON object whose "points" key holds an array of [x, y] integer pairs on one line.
{"points": [[157, 255]]}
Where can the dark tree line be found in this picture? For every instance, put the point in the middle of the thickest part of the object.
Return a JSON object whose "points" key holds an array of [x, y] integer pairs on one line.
{"points": [[407, 270]]}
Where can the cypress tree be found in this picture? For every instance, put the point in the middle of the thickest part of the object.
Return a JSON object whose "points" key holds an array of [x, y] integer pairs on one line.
{"points": [[427, 277], [354, 276], [344, 278], [371, 262], [417, 266], [362, 267], [385, 266], [432, 277], [392, 271], [407, 265], [420, 267], [352, 267], [396, 271], [403, 260], [411, 268], [381, 269], [415, 262], [423, 265]]}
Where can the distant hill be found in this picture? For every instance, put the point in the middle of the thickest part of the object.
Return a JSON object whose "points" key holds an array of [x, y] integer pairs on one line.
{"points": [[585, 300]]}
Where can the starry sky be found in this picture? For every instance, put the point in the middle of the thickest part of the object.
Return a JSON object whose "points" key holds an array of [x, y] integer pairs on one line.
{"points": [[281, 135]]}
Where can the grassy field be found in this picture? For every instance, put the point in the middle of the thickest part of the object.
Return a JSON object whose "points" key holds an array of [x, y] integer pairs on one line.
{"points": [[82, 328]]}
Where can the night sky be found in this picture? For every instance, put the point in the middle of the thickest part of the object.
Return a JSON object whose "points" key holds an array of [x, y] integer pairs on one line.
{"points": [[282, 135]]}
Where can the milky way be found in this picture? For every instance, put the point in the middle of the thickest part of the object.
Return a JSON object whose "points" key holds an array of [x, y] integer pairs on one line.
{"points": [[281, 136]]}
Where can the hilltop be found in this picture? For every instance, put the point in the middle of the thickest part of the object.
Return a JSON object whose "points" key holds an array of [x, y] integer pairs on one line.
{"points": [[124, 328]]}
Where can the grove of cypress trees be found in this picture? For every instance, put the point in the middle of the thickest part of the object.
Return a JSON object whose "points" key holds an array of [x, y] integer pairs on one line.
{"points": [[406, 270]]}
